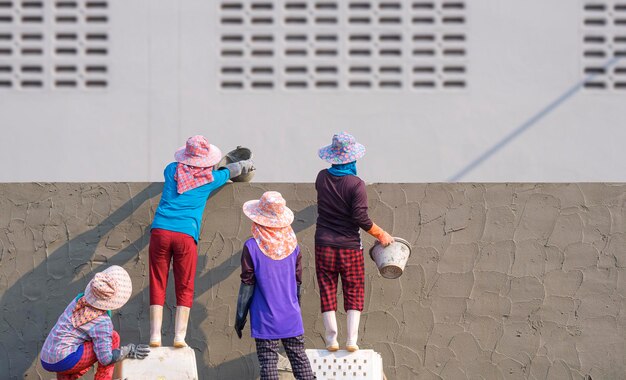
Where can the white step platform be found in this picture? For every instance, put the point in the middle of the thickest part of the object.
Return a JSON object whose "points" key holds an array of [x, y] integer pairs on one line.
{"points": [[343, 365], [163, 363]]}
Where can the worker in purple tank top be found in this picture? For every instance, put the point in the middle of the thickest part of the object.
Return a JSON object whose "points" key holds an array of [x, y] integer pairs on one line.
{"points": [[271, 274], [342, 211]]}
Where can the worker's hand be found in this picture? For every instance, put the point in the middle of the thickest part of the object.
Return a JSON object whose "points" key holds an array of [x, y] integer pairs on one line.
{"points": [[385, 239], [139, 351], [239, 325], [247, 166], [121, 353], [240, 167], [132, 351]]}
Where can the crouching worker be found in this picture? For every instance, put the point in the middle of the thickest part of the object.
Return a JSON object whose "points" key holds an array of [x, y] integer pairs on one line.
{"points": [[271, 274], [84, 333]]}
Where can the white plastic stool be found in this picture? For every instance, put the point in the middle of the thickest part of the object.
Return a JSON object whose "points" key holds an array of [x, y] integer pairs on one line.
{"points": [[163, 363], [340, 365]]}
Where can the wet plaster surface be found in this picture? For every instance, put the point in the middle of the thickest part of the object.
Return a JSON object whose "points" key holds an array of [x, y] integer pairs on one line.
{"points": [[506, 281]]}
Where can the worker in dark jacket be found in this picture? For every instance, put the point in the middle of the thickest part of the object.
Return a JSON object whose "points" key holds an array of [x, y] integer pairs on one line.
{"points": [[342, 210]]}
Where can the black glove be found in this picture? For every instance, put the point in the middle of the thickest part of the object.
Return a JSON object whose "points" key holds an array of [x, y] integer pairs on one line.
{"points": [[139, 351], [299, 295], [243, 305], [132, 351]]}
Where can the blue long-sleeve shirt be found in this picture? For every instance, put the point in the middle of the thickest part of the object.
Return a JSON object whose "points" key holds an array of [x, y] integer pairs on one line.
{"points": [[183, 212]]}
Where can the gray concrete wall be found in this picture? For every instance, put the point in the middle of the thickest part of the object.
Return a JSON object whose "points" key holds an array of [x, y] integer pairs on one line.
{"points": [[508, 281]]}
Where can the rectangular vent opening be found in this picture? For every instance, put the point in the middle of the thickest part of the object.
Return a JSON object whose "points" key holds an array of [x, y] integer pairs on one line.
{"points": [[394, 5], [328, 6], [296, 70], [96, 83], [297, 84], [31, 84]]}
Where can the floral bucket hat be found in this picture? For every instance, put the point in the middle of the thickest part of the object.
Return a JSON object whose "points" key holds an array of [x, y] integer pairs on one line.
{"points": [[272, 225], [198, 152], [344, 149], [269, 211], [109, 289]]}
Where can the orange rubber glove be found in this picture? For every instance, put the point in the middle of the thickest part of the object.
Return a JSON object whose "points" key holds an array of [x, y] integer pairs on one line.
{"points": [[383, 237]]}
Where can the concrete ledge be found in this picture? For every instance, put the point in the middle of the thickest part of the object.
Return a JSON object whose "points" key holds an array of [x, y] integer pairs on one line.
{"points": [[163, 363], [340, 365]]}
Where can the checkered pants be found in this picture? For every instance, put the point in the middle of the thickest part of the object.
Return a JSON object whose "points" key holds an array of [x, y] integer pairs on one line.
{"points": [[104, 372], [330, 262], [267, 352]]}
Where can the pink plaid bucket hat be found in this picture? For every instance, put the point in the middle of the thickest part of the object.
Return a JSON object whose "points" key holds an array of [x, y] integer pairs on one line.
{"points": [[198, 152], [269, 211], [109, 289], [344, 149]]}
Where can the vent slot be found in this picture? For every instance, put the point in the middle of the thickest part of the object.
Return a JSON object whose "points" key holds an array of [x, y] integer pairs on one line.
{"points": [[326, 70], [296, 84], [390, 6], [32, 4], [31, 37], [329, 6], [423, 69], [66, 4], [96, 83], [595, 7], [32, 69], [296, 70], [66, 69], [65, 83], [262, 70], [31, 83], [420, 5], [595, 85], [360, 84]]}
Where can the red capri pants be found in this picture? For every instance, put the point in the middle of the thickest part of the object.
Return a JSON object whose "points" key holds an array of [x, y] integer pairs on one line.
{"points": [[182, 248], [104, 372], [331, 262]]}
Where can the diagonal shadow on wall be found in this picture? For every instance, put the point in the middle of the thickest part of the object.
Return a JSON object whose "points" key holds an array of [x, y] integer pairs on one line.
{"points": [[19, 347], [20, 324]]}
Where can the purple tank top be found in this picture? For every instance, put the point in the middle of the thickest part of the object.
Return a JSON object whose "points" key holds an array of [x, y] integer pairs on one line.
{"points": [[275, 312]]}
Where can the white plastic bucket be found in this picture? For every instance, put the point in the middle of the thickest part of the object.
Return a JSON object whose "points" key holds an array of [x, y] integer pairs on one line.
{"points": [[391, 259]]}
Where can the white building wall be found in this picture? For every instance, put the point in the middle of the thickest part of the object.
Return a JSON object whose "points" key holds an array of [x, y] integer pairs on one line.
{"points": [[163, 84]]}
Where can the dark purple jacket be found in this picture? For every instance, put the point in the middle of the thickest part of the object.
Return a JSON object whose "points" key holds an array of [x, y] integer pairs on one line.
{"points": [[342, 209]]}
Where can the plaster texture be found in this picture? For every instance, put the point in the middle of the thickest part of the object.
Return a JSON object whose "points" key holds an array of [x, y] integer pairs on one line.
{"points": [[506, 281]]}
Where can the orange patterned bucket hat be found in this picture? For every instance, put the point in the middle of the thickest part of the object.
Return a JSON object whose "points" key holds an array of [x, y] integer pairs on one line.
{"points": [[269, 211], [272, 225], [198, 152]]}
